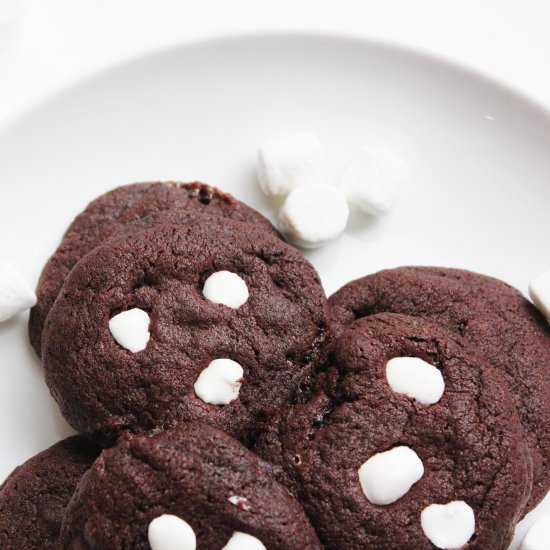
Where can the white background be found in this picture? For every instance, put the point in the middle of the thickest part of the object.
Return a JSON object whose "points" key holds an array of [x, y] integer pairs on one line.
{"points": [[61, 40]]}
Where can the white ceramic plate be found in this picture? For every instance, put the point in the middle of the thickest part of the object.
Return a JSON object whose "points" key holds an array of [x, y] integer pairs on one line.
{"points": [[479, 156]]}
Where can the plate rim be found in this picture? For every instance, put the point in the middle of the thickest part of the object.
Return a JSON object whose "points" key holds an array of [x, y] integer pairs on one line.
{"points": [[67, 88]]}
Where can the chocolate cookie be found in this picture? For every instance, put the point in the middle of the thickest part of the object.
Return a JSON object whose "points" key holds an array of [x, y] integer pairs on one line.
{"points": [[34, 497], [414, 443], [107, 215], [212, 322], [495, 318], [195, 485]]}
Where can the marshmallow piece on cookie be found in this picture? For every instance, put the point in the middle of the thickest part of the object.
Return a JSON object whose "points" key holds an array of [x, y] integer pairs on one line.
{"points": [[220, 382], [224, 287], [288, 162], [385, 477], [415, 378], [539, 290], [240, 502], [169, 532], [314, 214], [243, 541], [15, 294], [538, 536], [131, 329], [448, 525], [374, 180]]}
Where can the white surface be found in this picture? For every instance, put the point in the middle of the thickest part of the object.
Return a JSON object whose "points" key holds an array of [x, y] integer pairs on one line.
{"points": [[374, 180], [224, 287], [169, 532], [243, 541], [538, 536], [448, 525], [287, 162], [385, 477], [416, 379], [131, 329], [539, 290], [11, 16], [61, 39], [312, 215], [15, 293], [220, 382], [478, 155]]}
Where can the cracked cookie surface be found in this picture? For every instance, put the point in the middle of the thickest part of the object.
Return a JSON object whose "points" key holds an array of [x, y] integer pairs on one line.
{"points": [[35, 495], [469, 441], [491, 316], [108, 215], [275, 336], [195, 472]]}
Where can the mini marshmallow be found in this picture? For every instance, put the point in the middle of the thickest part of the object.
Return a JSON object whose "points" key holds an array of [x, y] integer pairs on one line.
{"points": [[374, 179], [15, 294], [243, 541], [287, 163], [539, 290], [131, 329], [224, 287], [415, 378], [385, 477], [314, 214], [220, 382], [240, 502], [538, 536], [168, 532], [448, 525]]}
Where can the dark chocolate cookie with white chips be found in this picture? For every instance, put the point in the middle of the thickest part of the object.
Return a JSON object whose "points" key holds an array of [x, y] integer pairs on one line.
{"points": [[34, 496], [491, 316], [191, 487], [413, 443], [107, 216], [212, 322]]}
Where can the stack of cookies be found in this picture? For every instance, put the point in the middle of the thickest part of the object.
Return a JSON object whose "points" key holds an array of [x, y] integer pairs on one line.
{"points": [[224, 402]]}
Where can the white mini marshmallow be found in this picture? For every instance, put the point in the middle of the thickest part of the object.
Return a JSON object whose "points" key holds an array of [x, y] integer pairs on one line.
{"points": [[131, 329], [374, 179], [169, 532], [224, 287], [538, 536], [385, 477], [220, 382], [539, 290], [415, 378], [314, 214], [243, 541], [448, 525], [288, 162], [15, 294]]}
